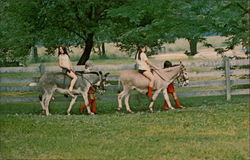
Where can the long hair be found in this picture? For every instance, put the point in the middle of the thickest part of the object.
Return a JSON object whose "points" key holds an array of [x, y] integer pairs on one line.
{"points": [[139, 51], [64, 50]]}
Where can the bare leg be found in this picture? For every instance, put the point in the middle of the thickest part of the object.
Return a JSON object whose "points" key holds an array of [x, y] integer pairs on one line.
{"points": [[151, 78], [64, 91], [73, 81]]}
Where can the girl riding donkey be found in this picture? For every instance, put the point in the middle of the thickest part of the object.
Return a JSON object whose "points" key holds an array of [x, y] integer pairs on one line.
{"points": [[66, 65], [144, 68]]}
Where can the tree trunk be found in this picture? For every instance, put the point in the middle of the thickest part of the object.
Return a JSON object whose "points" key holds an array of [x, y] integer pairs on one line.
{"points": [[103, 50], [99, 49], [34, 55], [193, 46], [87, 51]]}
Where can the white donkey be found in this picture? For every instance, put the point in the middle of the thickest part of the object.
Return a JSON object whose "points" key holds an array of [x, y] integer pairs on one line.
{"points": [[132, 79], [59, 82]]}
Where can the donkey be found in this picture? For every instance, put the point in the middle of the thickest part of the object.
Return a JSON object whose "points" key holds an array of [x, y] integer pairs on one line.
{"points": [[132, 79], [59, 82]]}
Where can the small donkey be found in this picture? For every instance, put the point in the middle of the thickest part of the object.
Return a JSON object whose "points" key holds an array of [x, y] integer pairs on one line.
{"points": [[59, 82]]}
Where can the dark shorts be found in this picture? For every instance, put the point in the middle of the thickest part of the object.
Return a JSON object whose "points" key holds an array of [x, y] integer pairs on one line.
{"points": [[141, 71], [64, 70]]}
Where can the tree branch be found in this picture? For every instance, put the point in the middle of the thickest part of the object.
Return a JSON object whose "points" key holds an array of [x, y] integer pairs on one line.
{"points": [[73, 31], [246, 11]]}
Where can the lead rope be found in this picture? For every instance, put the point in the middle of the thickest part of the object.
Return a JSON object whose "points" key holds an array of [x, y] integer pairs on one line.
{"points": [[81, 74], [159, 75]]}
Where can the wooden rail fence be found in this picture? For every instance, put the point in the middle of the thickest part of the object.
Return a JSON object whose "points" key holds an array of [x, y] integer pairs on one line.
{"points": [[20, 84]]}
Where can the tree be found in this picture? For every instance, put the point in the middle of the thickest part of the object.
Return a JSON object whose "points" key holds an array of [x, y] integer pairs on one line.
{"points": [[235, 27], [135, 24], [155, 22], [17, 35], [53, 23], [75, 22], [190, 20]]}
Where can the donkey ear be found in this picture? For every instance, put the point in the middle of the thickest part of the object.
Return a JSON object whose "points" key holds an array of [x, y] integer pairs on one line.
{"points": [[106, 74]]}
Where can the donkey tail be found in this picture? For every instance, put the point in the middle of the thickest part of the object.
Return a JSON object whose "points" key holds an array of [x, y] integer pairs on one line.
{"points": [[119, 86]]}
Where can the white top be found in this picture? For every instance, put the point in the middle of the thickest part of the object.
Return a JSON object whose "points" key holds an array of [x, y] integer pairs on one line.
{"points": [[64, 61], [142, 65]]}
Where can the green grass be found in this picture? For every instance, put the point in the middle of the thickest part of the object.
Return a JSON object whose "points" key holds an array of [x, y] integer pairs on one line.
{"points": [[19, 75], [210, 128]]}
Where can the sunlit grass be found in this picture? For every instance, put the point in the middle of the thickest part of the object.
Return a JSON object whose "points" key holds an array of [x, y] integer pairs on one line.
{"points": [[210, 128], [19, 94], [18, 75]]}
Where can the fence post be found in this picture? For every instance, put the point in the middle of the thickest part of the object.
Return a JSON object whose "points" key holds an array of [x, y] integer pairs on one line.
{"points": [[42, 69], [227, 76]]}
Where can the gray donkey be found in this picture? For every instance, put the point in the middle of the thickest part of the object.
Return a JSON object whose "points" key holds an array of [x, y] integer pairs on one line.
{"points": [[132, 79], [59, 82]]}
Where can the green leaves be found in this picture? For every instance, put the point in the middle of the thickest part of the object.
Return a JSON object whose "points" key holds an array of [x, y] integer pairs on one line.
{"points": [[128, 23]]}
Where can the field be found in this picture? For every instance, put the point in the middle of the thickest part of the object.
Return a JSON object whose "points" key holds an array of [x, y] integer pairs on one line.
{"points": [[210, 128], [115, 56]]}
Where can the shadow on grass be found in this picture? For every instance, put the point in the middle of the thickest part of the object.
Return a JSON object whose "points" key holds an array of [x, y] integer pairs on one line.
{"points": [[138, 104]]}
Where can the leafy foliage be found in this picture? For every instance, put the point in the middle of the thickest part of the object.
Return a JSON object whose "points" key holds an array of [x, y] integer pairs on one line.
{"points": [[17, 35], [235, 27], [128, 23]]}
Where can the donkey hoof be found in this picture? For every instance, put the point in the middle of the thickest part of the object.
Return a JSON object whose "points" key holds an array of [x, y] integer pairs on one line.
{"points": [[129, 111], [118, 109], [43, 111]]}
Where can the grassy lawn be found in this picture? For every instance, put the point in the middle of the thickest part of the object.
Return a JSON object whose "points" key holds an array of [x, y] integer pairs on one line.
{"points": [[210, 128]]}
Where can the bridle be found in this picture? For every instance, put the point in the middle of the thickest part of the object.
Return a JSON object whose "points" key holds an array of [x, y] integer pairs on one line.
{"points": [[99, 85], [183, 79]]}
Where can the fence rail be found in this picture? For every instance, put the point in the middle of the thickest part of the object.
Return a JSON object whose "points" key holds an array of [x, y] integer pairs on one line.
{"points": [[42, 68], [6, 82], [115, 87]]}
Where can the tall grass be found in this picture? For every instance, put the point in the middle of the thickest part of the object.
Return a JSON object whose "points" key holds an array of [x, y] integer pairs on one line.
{"points": [[210, 128]]}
